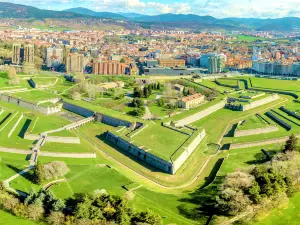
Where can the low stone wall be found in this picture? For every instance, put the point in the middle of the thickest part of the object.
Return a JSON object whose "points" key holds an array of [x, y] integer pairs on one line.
{"points": [[260, 102], [30, 105], [268, 129], [176, 164], [260, 143], [31, 137], [68, 155], [140, 153], [200, 115], [277, 92], [174, 128], [115, 122], [66, 140]]}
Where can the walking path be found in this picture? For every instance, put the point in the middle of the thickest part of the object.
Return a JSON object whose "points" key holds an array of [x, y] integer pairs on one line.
{"points": [[148, 114], [47, 186]]}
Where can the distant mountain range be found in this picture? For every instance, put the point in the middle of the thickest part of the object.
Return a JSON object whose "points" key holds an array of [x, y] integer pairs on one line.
{"points": [[163, 21], [88, 12]]}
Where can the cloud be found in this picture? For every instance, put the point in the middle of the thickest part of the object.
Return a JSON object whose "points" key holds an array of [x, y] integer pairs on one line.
{"points": [[216, 8]]}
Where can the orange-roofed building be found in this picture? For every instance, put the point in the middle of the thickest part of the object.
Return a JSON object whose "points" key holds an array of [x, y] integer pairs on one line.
{"points": [[191, 101]]}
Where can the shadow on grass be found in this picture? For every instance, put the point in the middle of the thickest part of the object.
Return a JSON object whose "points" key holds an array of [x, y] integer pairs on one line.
{"points": [[102, 137], [262, 157], [200, 205], [5, 118], [213, 173], [28, 175], [230, 133], [24, 128]]}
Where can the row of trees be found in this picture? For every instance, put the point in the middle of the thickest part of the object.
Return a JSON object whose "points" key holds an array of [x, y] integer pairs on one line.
{"points": [[146, 91], [258, 187], [99, 208]]}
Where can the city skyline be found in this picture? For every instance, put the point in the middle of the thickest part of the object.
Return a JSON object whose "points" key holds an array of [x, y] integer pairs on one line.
{"points": [[215, 8]]}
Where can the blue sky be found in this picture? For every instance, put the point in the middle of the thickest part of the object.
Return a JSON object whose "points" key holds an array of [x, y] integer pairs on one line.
{"points": [[216, 8]]}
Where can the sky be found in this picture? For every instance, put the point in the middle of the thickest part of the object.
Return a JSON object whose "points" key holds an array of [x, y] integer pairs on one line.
{"points": [[215, 8]]}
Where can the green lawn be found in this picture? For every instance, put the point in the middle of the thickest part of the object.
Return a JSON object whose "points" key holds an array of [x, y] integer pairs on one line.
{"points": [[34, 95], [16, 139], [83, 147], [252, 122], [50, 122], [163, 142], [212, 84], [159, 111], [249, 38], [288, 214], [44, 80], [228, 81], [275, 84], [9, 219]]}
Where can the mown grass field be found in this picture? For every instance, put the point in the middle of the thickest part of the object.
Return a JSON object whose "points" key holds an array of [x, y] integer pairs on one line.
{"points": [[163, 142], [34, 95], [252, 122], [9, 219]]}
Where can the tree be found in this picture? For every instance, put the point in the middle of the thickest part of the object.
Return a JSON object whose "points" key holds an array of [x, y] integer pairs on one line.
{"points": [[291, 144], [12, 76], [137, 92], [55, 169], [35, 212], [137, 102], [160, 102], [146, 92], [158, 86], [38, 174], [232, 201], [56, 218], [147, 217], [122, 60], [76, 96], [138, 112]]}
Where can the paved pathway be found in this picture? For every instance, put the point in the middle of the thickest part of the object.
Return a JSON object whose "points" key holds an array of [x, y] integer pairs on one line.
{"points": [[148, 114]]}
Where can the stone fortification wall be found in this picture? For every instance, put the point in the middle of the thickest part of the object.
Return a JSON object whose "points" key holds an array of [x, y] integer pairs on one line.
{"points": [[267, 129], [260, 102], [200, 115], [227, 85], [188, 151], [112, 121], [140, 153], [77, 109], [115, 122], [30, 105]]}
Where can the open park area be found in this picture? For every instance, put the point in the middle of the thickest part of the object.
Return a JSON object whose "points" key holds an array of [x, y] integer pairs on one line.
{"points": [[172, 164]]}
